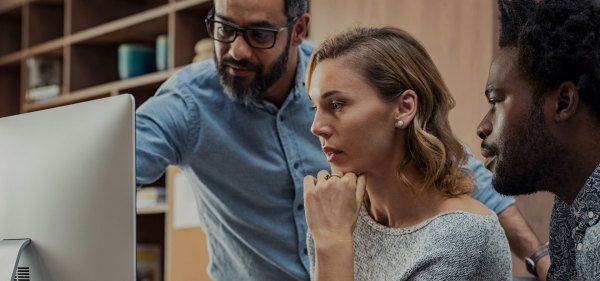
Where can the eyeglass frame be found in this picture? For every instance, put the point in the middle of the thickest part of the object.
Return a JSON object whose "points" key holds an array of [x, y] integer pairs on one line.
{"points": [[210, 19]]}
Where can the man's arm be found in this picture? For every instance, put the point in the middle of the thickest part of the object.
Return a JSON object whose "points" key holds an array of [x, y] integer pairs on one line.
{"points": [[521, 238]]}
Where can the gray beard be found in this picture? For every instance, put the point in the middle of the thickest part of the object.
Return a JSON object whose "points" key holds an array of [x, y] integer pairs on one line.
{"points": [[239, 90]]}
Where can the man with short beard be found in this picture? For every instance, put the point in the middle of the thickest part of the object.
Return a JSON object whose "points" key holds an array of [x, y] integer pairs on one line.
{"points": [[543, 128], [239, 128]]}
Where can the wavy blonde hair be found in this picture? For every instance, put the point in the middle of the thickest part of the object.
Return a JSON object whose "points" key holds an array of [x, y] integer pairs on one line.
{"points": [[392, 61]]}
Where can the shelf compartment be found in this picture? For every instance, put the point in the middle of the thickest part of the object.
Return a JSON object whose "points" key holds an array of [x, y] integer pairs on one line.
{"points": [[10, 94], [103, 90], [46, 21], [44, 76], [189, 29], [10, 31], [102, 52], [90, 13]]}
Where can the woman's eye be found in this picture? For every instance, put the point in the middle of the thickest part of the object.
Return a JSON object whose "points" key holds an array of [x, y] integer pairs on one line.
{"points": [[337, 106]]}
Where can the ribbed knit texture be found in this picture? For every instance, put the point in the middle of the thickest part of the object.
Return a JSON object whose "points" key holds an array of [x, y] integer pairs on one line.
{"points": [[454, 245]]}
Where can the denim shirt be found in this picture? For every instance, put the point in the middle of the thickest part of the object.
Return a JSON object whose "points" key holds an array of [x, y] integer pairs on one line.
{"points": [[575, 234], [246, 164]]}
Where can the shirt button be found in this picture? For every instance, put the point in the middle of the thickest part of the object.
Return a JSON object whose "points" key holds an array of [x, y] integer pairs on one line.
{"points": [[579, 246], [591, 214], [300, 207], [281, 118], [305, 251], [296, 165]]}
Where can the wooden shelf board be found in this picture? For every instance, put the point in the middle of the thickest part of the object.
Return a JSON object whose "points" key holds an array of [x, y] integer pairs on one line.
{"points": [[99, 90], [7, 5], [158, 209], [49, 46], [11, 58], [47, 1], [181, 5], [116, 25]]}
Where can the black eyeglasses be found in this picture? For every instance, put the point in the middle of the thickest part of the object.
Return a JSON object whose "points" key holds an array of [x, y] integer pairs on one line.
{"points": [[256, 37]]}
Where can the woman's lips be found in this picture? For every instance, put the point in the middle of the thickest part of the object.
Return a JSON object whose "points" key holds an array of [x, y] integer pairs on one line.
{"points": [[331, 153]]}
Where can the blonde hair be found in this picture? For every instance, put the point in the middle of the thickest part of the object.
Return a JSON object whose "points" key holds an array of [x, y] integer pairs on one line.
{"points": [[392, 61]]}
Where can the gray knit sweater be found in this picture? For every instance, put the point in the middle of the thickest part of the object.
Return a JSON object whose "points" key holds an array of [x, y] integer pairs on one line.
{"points": [[454, 245]]}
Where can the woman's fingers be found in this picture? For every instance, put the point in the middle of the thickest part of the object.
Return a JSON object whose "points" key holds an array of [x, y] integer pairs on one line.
{"points": [[361, 186]]}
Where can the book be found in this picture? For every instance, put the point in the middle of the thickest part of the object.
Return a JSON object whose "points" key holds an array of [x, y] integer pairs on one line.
{"points": [[148, 262], [42, 93], [150, 196], [44, 78]]}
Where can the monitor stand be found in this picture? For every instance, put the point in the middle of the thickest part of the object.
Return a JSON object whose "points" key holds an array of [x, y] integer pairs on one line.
{"points": [[10, 251]]}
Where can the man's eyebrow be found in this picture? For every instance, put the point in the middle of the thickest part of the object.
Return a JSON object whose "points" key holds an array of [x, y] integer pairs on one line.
{"points": [[263, 23]]}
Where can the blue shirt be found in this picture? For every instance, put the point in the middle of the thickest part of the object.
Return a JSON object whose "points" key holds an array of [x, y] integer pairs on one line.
{"points": [[575, 235], [246, 164]]}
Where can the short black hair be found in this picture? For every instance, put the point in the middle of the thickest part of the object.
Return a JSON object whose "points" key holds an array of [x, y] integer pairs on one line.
{"points": [[295, 8], [513, 15], [558, 41]]}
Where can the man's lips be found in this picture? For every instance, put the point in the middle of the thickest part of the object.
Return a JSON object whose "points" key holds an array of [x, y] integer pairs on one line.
{"points": [[489, 153], [489, 161], [239, 70]]}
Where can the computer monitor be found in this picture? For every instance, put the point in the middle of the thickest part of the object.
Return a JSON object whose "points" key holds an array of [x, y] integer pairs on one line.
{"points": [[67, 182]]}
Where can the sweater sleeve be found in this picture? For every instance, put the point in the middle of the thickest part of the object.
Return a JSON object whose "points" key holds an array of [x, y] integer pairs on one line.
{"points": [[473, 250]]}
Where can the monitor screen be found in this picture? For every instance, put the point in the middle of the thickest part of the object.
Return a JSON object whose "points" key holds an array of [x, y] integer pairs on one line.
{"points": [[67, 182]]}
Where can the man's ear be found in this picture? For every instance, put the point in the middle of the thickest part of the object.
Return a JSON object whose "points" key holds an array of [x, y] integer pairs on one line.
{"points": [[300, 29], [406, 107], [565, 101]]}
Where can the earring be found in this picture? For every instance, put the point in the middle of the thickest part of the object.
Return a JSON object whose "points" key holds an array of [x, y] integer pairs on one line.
{"points": [[400, 123]]}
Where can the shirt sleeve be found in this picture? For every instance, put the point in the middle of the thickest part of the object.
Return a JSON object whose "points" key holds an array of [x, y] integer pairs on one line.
{"points": [[163, 126], [486, 193]]}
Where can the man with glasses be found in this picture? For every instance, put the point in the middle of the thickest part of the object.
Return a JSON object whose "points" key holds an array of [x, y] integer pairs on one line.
{"points": [[239, 128]]}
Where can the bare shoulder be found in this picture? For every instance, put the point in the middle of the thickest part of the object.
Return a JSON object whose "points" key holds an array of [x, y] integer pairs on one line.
{"points": [[466, 204]]}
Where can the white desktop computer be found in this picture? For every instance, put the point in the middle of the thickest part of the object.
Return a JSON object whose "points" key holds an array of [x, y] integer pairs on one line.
{"points": [[67, 193]]}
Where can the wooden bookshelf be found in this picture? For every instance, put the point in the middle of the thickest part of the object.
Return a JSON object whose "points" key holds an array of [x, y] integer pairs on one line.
{"points": [[85, 35]]}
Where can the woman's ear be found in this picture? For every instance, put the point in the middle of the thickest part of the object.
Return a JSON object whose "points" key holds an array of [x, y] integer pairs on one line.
{"points": [[406, 108]]}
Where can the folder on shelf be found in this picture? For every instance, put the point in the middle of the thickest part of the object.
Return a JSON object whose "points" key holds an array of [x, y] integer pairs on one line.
{"points": [[135, 60]]}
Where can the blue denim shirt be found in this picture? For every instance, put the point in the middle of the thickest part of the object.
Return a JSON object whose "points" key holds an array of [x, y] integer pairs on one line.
{"points": [[246, 165]]}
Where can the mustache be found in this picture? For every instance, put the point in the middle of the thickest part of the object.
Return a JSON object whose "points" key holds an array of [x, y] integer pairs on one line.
{"points": [[488, 148], [229, 61]]}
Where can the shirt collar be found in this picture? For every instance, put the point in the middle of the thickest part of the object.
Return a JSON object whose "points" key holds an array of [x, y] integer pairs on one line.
{"points": [[586, 206], [298, 88]]}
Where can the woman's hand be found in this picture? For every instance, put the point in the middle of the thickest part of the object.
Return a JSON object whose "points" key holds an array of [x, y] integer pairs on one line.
{"points": [[332, 203]]}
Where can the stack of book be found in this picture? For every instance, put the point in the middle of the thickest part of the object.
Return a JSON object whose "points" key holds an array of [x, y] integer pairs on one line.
{"points": [[45, 75], [148, 197]]}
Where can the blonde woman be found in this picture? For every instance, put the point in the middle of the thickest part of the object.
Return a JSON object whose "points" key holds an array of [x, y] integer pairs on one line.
{"points": [[397, 203]]}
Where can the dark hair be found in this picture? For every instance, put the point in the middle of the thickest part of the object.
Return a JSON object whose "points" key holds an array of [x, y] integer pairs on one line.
{"points": [[295, 8], [558, 42], [392, 61], [292, 8], [513, 15]]}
